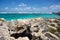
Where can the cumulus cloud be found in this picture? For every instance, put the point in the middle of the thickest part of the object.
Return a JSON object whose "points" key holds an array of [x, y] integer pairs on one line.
{"points": [[51, 8], [6, 7], [17, 9], [44, 8], [22, 4], [54, 8], [26, 8]]}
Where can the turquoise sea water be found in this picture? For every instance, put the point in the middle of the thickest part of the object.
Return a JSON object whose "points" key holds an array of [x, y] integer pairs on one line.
{"points": [[25, 16]]}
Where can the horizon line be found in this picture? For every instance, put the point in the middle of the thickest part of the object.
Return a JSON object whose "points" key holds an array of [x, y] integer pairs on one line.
{"points": [[28, 12]]}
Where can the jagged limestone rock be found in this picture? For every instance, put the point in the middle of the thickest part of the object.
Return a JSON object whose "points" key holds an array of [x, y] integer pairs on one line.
{"points": [[28, 29]]}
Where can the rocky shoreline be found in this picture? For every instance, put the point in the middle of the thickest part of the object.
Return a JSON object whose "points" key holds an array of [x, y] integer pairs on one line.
{"points": [[30, 29]]}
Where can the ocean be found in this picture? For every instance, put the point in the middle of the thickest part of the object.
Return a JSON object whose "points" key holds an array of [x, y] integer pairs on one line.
{"points": [[26, 16]]}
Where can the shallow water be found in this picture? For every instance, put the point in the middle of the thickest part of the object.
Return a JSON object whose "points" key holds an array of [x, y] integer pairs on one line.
{"points": [[25, 16]]}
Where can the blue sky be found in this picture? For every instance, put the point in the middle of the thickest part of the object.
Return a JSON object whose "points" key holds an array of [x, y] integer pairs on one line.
{"points": [[43, 6]]}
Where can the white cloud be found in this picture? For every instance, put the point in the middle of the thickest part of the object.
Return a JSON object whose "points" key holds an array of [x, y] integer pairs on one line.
{"points": [[44, 8], [36, 9], [28, 8], [54, 7], [17, 9], [22, 4], [6, 7], [51, 8]]}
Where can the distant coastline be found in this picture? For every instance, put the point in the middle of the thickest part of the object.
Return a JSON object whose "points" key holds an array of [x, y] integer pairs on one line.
{"points": [[58, 13]]}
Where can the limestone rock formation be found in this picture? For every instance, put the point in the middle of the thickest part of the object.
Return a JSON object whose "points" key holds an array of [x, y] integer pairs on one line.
{"points": [[30, 29]]}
